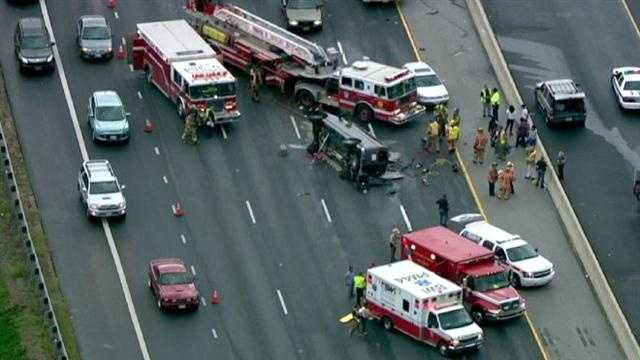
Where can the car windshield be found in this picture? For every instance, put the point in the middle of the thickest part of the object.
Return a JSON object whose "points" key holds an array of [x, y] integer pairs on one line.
{"points": [[35, 42], [521, 253], [96, 33], [109, 113], [454, 319], [175, 278], [302, 4], [491, 282], [103, 187], [570, 106], [427, 80], [401, 89], [199, 92], [632, 85]]}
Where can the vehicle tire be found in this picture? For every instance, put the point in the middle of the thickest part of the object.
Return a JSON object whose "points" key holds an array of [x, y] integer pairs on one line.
{"points": [[584, 123], [305, 98], [182, 112], [363, 113], [515, 281], [442, 348], [387, 323], [477, 316]]}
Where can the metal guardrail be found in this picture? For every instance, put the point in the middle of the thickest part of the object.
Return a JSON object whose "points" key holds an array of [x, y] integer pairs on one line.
{"points": [[25, 235]]}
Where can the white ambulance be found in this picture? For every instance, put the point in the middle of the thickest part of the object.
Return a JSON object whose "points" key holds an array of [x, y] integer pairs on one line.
{"points": [[419, 303]]}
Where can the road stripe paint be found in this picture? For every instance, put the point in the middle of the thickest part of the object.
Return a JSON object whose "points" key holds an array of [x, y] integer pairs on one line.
{"points": [[156, 150], [295, 126], [203, 301], [326, 210], [164, 178], [635, 25], [253, 218], [284, 307], [344, 57], [115, 14], [224, 132], [139, 95], [124, 42], [193, 270], [183, 238], [85, 156], [373, 133], [173, 209], [407, 29], [214, 333], [406, 218], [131, 67]]}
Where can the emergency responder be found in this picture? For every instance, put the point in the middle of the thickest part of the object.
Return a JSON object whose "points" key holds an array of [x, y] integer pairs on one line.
{"points": [[636, 189], [485, 100], [433, 136], [394, 242], [495, 103], [455, 118], [453, 135], [364, 316], [314, 114], [205, 115], [441, 117], [190, 132], [479, 146], [359, 283], [255, 78]]}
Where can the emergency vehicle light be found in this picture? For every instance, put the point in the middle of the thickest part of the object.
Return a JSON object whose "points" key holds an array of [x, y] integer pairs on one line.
{"points": [[397, 75]]}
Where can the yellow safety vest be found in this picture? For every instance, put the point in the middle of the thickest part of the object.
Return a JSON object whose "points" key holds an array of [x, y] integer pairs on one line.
{"points": [[435, 128], [454, 133], [495, 98], [359, 282]]}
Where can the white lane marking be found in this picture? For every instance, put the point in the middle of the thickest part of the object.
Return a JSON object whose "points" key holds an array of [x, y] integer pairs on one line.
{"points": [[115, 13], [131, 67], [124, 42], [406, 218], [253, 218], [326, 210], [295, 126], [85, 156], [139, 95], [183, 238], [203, 301], [224, 132], [215, 334], [156, 150], [173, 209], [344, 57], [284, 307], [164, 178], [193, 270], [373, 133]]}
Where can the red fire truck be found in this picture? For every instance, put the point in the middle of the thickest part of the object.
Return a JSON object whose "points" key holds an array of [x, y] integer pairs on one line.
{"points": [[488, 293], [366, 89], [421, 304], [185, 69]]}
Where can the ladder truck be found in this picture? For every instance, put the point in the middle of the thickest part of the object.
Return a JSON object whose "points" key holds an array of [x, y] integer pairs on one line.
{"points": [[296, 66]]}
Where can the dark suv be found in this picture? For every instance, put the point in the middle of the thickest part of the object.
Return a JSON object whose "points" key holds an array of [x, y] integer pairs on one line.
{"points": [[33, 45], [561, 102]]}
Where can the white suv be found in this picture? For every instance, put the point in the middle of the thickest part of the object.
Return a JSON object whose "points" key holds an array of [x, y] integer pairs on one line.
{"points": [[528, 267], [100, 191]]}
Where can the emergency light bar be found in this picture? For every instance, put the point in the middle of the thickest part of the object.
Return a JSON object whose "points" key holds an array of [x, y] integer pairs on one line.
{"points": [[397, 75]]}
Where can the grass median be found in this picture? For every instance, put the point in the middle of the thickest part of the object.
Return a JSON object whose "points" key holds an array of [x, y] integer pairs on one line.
{"points": [[24, 332]]}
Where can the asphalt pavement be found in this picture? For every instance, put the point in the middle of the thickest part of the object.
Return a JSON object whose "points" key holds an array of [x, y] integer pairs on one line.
{"points": [[585, 40], [255, 228]]}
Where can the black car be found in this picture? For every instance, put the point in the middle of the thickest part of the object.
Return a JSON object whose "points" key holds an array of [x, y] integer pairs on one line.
{"points": [[561, 102], [33, 45]]}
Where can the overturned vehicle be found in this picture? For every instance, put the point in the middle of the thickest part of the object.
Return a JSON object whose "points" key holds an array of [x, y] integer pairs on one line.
{"points": [[353, 152]]}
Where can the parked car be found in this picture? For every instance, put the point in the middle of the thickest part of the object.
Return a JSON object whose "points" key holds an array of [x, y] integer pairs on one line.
{"points": [[173, 285], [431, 90], [94, 37], [528, 267], [561, 101], [100, 191], [107, 118], [626, 86], [303, 15], [33, 46]]}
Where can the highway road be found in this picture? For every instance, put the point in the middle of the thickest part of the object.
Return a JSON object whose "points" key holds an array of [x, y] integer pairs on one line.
{"points": [[255, 227], [584, 40]]}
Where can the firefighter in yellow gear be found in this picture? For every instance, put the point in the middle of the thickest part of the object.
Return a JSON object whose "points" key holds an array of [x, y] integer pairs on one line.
{"points": [[441, 117], [453, 135], [255, 80], [455, 118], [433, 139], [190, 132]]}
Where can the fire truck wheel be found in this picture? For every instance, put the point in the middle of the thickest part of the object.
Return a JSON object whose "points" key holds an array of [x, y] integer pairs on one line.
{"points": [[363, 113], [305, 98], [442, 347], [387, 323], [477, 316]]}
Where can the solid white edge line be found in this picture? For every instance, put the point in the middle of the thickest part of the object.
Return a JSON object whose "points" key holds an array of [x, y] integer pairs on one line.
{"points": [[85, 156], [633, 21], [224, 132], [193, 270], [344, 57], [156, 150], [406, 218], [253, 218], [183, 238], [295, 126], [373, 133], [284, 307], [215, 334], [326, 210]]}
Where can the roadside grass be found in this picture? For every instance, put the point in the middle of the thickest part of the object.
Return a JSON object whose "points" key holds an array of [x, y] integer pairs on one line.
{"points": [[24, 307]]}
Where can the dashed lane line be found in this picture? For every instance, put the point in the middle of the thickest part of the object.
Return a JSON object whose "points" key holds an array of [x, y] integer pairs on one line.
{"points": [[164, 178], [214, 333], [406, 218], [224, 132], [139, 95], [326, 210], [193, 270], [253, 218], [156, 150], [344, 56], [183, 238], [295, 126], [284, 307]]}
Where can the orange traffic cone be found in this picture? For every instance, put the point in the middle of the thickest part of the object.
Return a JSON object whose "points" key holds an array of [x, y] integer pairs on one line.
{"points": [[177, 210], [215, 298], [148, 126], [122, 53], [111, 4]]}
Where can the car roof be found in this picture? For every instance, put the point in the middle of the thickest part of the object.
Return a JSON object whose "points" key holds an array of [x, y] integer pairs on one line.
{"points": [[564, 89], [107, 98], [349, 130], [93, 20], [169, 265], [32, 26], [447, 244], [419, 67], [513, 244], [99, 170], [490, 232]]}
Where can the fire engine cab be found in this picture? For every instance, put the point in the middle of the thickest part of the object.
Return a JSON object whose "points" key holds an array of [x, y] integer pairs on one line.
{"points": [[419, 303], [185, 69]]}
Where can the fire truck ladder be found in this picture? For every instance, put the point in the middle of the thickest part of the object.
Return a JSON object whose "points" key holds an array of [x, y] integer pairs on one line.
{"points": [[259, 28]]}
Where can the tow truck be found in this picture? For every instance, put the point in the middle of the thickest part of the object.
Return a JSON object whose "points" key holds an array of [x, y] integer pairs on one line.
{"points": [[366, 89], [185, 69]]}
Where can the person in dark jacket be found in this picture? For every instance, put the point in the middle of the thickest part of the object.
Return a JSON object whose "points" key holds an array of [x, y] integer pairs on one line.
{"points": [[541, 167], [443, 209]]}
